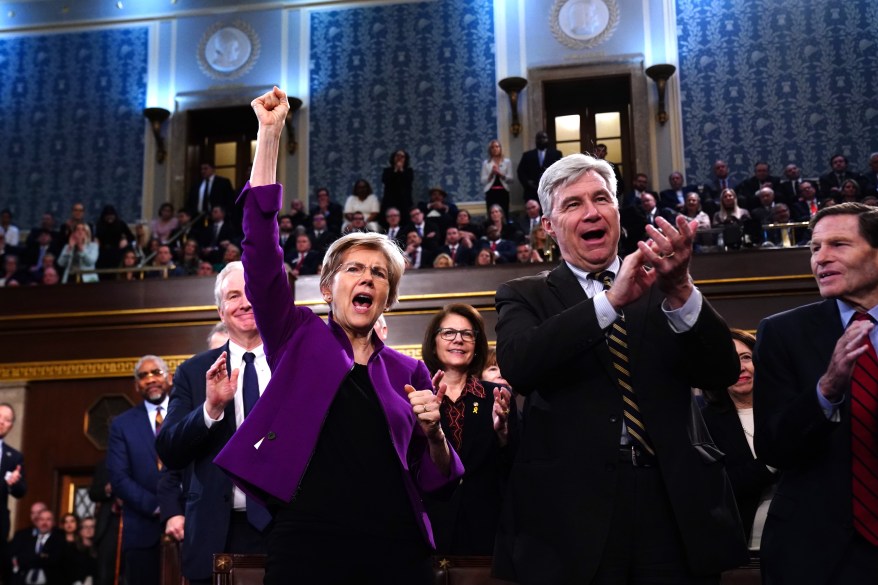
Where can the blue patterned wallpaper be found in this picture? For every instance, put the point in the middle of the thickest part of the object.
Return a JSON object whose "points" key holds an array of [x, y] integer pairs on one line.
{"points": [[417, 76], [777, 81], [71, 123]]}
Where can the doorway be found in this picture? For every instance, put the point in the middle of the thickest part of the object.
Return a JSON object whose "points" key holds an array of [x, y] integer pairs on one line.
{"points": [[582, 113], [226, 136]]}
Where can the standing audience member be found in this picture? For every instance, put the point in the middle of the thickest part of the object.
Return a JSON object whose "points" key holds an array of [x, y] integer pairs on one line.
{"points": [[475, 418], [200, 422], [212, 191], [79, 254], [815, 410], [789, 187], [496, 177], [398, 178], [761, 178], [831, 182], [438, 208], [729, 418], [641, 186], [340, 411], [113, 236], [622, 493], [533, 164], [134, 468]]}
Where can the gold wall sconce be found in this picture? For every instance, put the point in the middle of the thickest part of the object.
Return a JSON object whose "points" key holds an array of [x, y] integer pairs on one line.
{"points": [[660, 74], [513, 86], [292, 145], [157, 117]]}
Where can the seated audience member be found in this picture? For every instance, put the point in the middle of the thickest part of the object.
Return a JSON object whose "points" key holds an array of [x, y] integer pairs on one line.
{"points": [[531, 218], [729, 418], [218, 234], [761, 178], [508, 230], [129, 263], [397, 178], [475, 419], [492, 373], [79, 254], [543, 245], [356, 224], [806, 206], [485, 257], [395, 230], [693, 212], [362, 200], [165, 259], [788, 188], [524, 254], [205, 268], [439, 209], [870, 177], [189, 259], [112, 235], [460, 250], [640, 186], [305, 261], [831, 182], [13, 273], [286, 236], [780, 236], [721, 179], [762, 212], [165, 224], [50, 276], [416, 254], [186, 230], [298, 215], [674, 197], [142, 240], [729, 212], [13, 235], [502, 249], [80, 562], [870, 200], [231, 253], [443, 260], [320, 234], [634, 220], [47, 223], [850, 192], [467, 228], [428, 230], [38, 556], [331, 211]]}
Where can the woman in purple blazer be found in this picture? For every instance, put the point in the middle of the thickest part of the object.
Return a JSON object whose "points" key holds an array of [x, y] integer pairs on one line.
{"points": [[346, 438]]}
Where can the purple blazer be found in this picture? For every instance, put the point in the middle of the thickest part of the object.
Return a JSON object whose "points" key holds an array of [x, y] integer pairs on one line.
{"points": [[268, 455]]}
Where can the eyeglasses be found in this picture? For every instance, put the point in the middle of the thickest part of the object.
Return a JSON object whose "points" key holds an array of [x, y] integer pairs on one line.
{"points": [[449, 334], [156, 372], [359, 269]]}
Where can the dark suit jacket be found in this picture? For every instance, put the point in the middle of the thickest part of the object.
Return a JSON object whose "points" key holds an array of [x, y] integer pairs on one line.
{"points": [[463, 257], [506, 250], [749, 476], [830, 181], [309, 264], [335, 215], [810, 522], [466, 523], [668, 197], [221, 193], [530, 170], [9, 461], [323, 241], [134, 474], [558, 512], [50, 559], [290, 247], [185, 443]]}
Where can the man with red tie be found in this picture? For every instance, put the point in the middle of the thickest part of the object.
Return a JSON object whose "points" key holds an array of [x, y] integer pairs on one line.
{"points": [[816, 412], [305, 260]]}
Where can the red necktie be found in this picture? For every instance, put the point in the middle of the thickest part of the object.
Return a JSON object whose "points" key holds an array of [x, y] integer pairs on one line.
{"points": [[813, 208], [864, 442], [453, 253], [493, 246]]}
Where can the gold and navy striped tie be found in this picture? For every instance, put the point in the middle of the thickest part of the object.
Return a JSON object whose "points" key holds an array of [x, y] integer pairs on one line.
{"points": [[617, 341]]}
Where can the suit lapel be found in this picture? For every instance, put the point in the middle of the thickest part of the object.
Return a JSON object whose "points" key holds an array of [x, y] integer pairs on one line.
{"points": [[145, 429], [563, 283]]}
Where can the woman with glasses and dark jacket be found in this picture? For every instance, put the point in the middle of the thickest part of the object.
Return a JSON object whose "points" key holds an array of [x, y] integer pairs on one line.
{"points": [[475, 416]]}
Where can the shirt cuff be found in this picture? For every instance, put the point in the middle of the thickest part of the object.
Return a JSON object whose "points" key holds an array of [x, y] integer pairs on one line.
{"points": [[684, 318], [209, 422], [604, 310], [830, 409]]}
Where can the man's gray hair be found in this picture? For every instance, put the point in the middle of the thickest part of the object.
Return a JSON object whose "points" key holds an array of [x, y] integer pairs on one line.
{"points": [[568, 170], [221, 278], [154, 358]]}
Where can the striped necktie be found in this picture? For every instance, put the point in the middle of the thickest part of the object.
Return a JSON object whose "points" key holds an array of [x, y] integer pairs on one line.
{"points": [[159, 419], [617, 341], [864, 441]]}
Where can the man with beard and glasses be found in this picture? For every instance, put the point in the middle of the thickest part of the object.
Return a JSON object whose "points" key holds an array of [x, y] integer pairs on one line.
{"points": [[134, 468]]}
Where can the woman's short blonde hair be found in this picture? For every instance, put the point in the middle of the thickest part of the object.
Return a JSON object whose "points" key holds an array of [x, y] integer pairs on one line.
{"points": [[368, 241]]}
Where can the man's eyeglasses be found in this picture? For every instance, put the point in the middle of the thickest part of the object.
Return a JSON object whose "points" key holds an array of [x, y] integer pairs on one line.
{"points": [[156, 372], [449, 334], [359, 269]]}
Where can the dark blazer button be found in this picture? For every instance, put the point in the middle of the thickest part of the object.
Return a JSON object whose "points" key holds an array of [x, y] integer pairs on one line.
{"points": [[270, 436], [614, 418]]}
